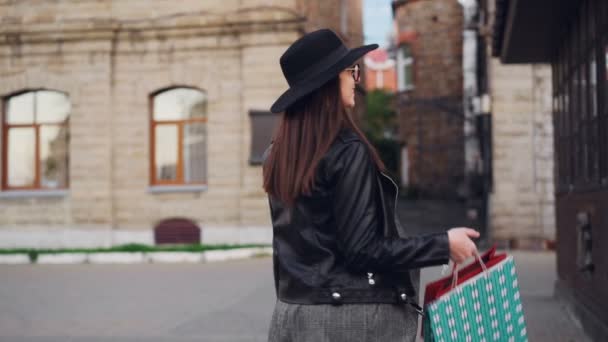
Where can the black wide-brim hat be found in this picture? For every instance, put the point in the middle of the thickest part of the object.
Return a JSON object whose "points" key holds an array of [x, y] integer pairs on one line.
{"points": [[313, 60]]}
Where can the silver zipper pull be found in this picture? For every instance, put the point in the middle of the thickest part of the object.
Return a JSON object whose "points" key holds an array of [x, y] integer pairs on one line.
{"points": [[370, 278]]}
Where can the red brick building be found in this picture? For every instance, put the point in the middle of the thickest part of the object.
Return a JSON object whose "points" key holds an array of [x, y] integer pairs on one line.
{"points": [[428, 51], [380, 71]]}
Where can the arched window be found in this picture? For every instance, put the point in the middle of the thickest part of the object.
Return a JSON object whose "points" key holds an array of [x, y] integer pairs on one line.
{"points": [[35, 149], [179, 138]]}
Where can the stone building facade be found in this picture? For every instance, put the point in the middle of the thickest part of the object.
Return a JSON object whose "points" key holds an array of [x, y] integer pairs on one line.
{"points": [[125, 71], [522, 204], [428, 51], [573, 38]]}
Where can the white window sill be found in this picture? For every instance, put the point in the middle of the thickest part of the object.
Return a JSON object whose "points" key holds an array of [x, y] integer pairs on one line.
{"points": [[160, 189], [34, 193], [405, 89]]}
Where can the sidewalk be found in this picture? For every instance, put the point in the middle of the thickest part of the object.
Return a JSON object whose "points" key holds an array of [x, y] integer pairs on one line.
{"points": [[547, 319]]}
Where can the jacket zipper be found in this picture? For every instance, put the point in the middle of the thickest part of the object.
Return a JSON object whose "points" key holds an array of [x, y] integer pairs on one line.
{"points": [[396, 188], [370, 275]]}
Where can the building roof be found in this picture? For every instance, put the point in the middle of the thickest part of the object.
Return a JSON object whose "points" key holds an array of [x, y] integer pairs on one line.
{"points": [[378, 55], [527, 31], [378, 59]]}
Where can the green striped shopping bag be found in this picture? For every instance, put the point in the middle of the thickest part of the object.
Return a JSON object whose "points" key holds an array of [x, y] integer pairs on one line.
{"points": [[485, 307]]}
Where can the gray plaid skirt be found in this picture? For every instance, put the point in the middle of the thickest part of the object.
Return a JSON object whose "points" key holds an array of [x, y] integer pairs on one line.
{"points": [[347, 322]]}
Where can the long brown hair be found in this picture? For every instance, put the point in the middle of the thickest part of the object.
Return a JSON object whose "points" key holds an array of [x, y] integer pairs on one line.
{"points": [[304, 134]]}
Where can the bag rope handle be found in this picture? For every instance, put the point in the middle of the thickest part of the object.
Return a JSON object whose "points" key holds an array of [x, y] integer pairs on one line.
{"points": [[455, 270]]}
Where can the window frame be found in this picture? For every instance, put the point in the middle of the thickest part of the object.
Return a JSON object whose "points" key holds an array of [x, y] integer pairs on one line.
{"points": [[402, 62], [36, 186], [179, 179], [256, 157], [602, 89], [580, 103]]}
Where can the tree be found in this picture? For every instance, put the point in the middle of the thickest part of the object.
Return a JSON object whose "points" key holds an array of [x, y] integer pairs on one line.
{"points": [[380, 118]]}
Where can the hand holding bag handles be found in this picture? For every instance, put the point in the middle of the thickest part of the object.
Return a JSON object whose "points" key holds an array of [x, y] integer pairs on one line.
{"points": [[479, 302]]}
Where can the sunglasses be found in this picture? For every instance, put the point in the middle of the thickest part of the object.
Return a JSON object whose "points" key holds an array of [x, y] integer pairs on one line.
{"points": [[356, 72]]}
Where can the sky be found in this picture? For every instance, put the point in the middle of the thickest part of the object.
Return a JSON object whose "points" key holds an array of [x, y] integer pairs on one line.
{"points": [[377, 21]]}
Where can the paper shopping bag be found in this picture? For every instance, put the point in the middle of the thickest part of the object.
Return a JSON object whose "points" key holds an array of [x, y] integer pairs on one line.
{"points": [[486, 307], [435, 288]]}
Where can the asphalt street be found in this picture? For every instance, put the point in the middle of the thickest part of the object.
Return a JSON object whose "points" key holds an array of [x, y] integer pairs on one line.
{"points": [[227, 301]]}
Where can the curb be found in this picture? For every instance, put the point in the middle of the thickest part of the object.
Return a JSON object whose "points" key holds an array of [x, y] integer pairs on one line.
{"points": [[174, 257], [14, 259], [116, 258], [138, 257], [67, 258]]}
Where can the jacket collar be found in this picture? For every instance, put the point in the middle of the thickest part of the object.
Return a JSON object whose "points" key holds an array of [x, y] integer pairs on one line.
{"points": [[347, 134]]}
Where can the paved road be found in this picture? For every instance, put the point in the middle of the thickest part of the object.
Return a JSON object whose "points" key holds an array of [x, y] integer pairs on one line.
{"points": [[229, 301]]}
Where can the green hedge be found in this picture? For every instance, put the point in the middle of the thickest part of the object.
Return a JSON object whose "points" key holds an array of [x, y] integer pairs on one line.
{"points": [[134, 247], [389, 150]]}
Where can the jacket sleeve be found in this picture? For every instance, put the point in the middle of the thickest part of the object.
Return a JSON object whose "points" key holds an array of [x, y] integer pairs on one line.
{"points": [[357, 216]]}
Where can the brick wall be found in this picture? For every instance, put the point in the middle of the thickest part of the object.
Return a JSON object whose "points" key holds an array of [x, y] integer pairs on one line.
{"points": [[388, 79], [342, 16], [430, 114]]}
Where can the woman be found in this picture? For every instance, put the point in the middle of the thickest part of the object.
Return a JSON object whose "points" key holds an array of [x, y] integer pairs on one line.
{"points": [[341, 261]]}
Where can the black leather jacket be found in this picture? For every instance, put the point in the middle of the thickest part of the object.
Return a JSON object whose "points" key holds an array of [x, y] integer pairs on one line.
{"points": [[344, 242]]}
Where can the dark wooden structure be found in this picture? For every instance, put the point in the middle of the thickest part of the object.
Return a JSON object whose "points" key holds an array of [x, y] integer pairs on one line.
{"points": [[573, 37]]}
